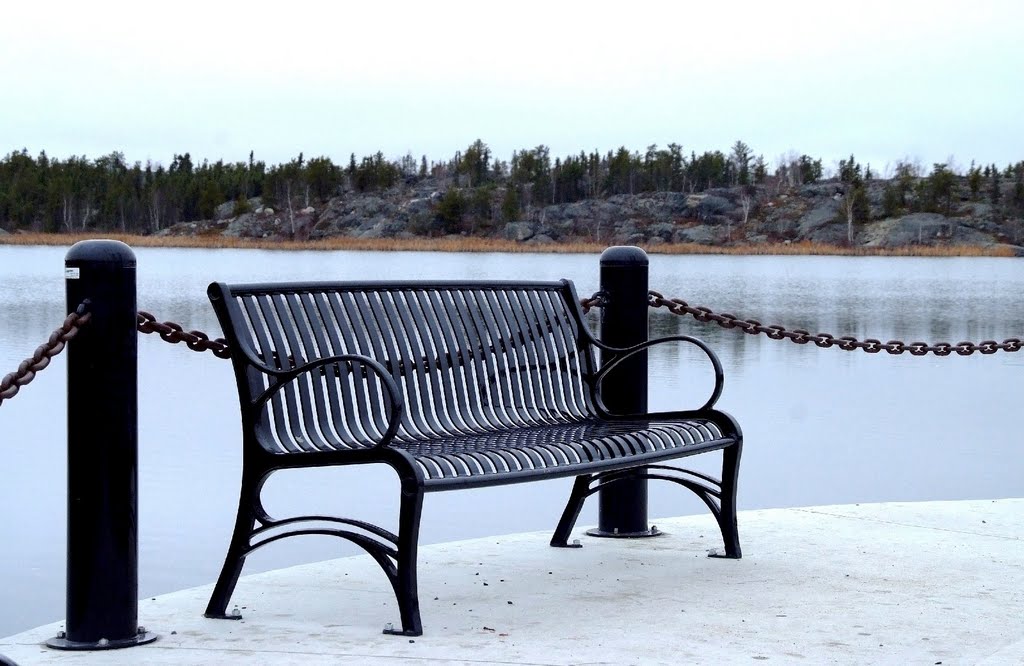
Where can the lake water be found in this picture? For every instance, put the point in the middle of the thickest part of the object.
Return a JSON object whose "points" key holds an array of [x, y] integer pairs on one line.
{"points": [[821, 425]]}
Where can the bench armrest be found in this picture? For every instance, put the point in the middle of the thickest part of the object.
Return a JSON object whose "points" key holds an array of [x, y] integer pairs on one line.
{"points": [[394, 401], [622, 353]]}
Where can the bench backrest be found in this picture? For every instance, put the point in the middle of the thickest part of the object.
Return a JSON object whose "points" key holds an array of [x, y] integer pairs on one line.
{"points": [[467, 357]]}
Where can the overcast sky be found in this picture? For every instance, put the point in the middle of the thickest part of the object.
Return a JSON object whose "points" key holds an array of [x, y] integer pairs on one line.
{"points": [[883, 80]]}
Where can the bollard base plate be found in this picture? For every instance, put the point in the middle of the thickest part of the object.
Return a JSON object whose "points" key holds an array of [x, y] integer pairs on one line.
{"points": [[597, 532], [64, 643]]}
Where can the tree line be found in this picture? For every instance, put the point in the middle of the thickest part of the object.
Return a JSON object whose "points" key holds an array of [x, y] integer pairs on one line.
{"points": [[108, 193]]}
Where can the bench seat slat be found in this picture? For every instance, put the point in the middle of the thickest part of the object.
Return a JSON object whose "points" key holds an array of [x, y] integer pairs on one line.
{"points": [[607, 444]]}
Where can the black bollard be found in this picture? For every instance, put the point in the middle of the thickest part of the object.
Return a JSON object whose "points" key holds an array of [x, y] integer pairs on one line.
{"points": [[102, 548], [623, 506]]}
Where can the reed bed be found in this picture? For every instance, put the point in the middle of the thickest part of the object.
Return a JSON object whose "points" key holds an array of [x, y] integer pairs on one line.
{"points": [[472, 244]]}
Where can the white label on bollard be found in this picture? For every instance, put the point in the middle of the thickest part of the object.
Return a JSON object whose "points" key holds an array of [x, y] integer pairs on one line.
{"points": [[71, 273]]}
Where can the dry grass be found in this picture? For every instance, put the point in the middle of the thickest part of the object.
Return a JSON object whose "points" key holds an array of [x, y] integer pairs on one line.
{"points": [[469, 244]]}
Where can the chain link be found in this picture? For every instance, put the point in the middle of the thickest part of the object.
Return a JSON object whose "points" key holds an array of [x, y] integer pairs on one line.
{"points": [[27, 370], [824, 340], [174, 333], [597, 300]]}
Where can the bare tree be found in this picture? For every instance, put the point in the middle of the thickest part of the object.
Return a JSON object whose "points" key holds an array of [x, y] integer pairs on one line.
{"points": [[788, 169], [855, 206], [747, 195], [155, 203], [67, 211], [848, 209]]}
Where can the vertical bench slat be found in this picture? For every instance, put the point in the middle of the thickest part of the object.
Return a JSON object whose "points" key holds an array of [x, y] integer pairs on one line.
{"points": [[456, 392], [495, 360], [300, 344], [364, 396], [274, 410], [306, 314], [562, 397], [528, 401], [537, 378], [421, 371], [302, 422], [339, 398], [441, 377], [477, 343], [517, 361], [256, 382], [344, 384], [564, 338], [538, 398], [363, 335], [294, 393], [470, 376], [568, 333], [554, 393], [464, 345], [443, 381], [556, 344], [418, 356], [397, 358]]}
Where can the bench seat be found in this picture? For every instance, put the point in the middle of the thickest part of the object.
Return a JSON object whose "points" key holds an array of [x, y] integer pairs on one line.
{"points": [[554, 451]]}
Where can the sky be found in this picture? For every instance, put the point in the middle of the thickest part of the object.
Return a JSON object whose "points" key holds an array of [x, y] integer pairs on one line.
{"points": [[884, 81]]}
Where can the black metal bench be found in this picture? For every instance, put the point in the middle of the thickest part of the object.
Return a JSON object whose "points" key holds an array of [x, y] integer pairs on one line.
{"points": [[454, 385]]}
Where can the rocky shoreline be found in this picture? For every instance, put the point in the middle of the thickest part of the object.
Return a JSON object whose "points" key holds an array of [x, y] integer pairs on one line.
{"points": [[748, 216]]}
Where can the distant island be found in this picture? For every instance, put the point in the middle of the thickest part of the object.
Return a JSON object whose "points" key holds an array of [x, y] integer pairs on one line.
{"points": [[661, 199]]}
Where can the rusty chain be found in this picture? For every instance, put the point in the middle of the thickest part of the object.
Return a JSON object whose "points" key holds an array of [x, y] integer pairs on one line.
{"points": [[199, 341], [597, 300], [27, 370], [146, 323], [824, 340], [174, 333]]}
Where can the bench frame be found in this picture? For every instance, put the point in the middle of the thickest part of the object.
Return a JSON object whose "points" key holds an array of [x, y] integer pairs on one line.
{"points": [[397, 553]]}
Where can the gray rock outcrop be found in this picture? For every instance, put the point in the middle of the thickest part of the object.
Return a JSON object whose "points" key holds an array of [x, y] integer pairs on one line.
{"points": [[713, 217]]}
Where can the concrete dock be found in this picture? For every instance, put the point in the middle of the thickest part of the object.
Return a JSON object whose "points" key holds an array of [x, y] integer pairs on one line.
{"points": [[898, 583]]}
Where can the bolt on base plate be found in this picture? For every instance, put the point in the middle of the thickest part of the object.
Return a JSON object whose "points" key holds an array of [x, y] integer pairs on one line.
{"points": [[652, 532], [61, 642]]}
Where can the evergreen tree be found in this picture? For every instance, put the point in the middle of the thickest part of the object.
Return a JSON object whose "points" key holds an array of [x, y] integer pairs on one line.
{"points": [[892, 200], [974, 181], [940, 187], [810, 170], [450, 211], [760, 170], [321, 179], [740, 160], [849, 170], [475, 163], [510, 205], [1018, 190]]}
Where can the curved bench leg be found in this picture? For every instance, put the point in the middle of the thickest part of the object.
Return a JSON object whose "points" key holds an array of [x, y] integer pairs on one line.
{"points": [[727, 515], [406, 591], [580, 491], [245, 520]]}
